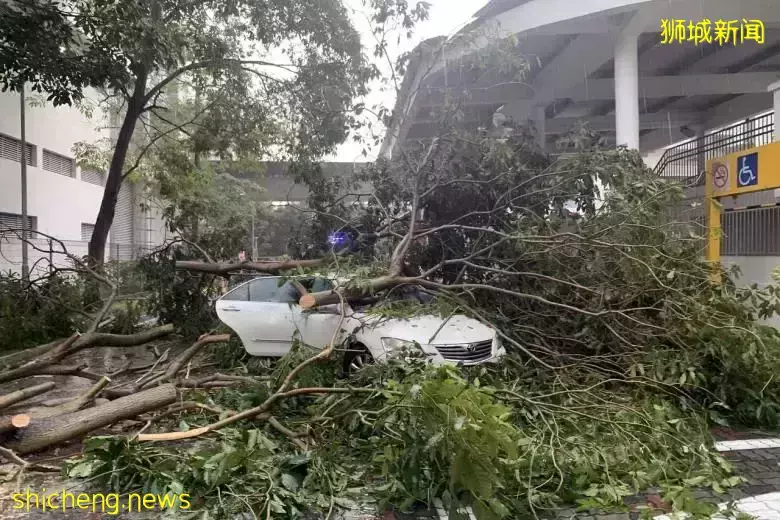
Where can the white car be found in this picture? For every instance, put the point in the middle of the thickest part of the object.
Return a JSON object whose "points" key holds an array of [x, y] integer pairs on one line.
{"points": [[265, 314]]}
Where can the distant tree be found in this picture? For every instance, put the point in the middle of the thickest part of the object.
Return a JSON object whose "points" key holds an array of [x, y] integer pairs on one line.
{"points": [[276, 76]]}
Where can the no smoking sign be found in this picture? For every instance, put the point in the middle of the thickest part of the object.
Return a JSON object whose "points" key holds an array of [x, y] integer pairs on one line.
{"points": [[720, 175]]}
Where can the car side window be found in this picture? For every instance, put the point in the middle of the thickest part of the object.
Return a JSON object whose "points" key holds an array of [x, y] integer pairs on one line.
{"points": [[240, 293], [269, 290], [317, 284], [321, 284]]}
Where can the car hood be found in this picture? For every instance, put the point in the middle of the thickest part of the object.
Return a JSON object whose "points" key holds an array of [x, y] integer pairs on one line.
{"points": [[457, 329]]}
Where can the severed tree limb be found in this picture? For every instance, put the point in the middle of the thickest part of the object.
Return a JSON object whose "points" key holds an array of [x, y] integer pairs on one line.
{"points": [[288, 433], [104, 339], [257, 410], [75, 343], [258, 413], [311, 300], [16, 359], [57, 352], [25, 393], [224, 269], [190, 405], [68, 370], [183, 358], [45, 432], [217, 378], [72, 405], [14, 422], [63, 406], [16, 459]]}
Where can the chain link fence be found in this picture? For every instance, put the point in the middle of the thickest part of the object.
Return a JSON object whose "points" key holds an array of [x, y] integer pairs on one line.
{"points": [[45, 255]]}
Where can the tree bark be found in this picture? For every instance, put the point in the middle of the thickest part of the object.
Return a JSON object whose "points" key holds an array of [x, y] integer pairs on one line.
{"points": [[311, 300], [49, 431], [183, 358], [25, 393], [105, 216], [70, 405], [104, 339], [16, 358], [56, 353], [263, 267]]}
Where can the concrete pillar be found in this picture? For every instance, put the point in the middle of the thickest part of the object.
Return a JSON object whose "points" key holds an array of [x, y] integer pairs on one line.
{"points": [[774, 88], [627, 90], [540, 121]]}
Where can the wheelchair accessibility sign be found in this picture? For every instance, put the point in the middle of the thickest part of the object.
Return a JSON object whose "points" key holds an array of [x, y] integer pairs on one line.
{"points": [[747, 170]]}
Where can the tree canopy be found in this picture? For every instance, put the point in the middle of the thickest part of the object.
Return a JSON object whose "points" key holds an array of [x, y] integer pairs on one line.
{"points": [[258, 78]]}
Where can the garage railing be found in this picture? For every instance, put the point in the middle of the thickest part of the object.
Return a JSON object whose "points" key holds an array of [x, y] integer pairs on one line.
{"points": [[685, 161]]}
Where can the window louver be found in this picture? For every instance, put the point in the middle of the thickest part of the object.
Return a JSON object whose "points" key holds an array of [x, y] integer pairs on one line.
{"points": [[86, 231], [57, 163], [9, 149], [93, 177], [14, 221]]}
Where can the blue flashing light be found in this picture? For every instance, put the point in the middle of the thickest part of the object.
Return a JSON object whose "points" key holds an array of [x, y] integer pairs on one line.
{"points": [[338, 238]]}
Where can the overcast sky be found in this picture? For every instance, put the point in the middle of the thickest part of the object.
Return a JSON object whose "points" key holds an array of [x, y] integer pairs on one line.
{"points": [[446, 17]]}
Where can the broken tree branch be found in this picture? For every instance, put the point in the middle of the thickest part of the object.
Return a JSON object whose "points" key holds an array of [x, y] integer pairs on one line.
{"points": [[311, 300], [25, 393], [45, 432], [183, 358], [261, 409], [224, 269], [75, 343]]}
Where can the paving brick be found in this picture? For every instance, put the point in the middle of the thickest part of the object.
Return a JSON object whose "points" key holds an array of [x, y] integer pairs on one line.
{"points": [[735, 493], [765, 475], [759, 489]]}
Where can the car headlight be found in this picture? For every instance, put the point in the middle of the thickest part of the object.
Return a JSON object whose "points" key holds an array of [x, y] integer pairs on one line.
{"points": [[396, 344]]}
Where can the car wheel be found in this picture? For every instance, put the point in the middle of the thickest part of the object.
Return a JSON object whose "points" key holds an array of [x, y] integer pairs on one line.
{"points": [[357, 357]]}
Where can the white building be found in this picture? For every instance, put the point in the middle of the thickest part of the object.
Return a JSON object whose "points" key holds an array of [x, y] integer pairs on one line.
{"points": [[608, 63], [605, 62], [62, 198]]}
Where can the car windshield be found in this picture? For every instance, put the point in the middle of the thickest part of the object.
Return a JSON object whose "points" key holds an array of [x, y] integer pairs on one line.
{"points": [[410, 293]]}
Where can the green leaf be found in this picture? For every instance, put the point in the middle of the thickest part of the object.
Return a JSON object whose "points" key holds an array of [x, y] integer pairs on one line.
{"points": [[290, 482], [81, 470]]}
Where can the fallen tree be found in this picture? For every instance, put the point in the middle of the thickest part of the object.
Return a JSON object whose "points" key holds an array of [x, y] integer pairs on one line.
{"points": [[620, 350], [620, 347], [25, 393], [225, 269], [47, 431]]}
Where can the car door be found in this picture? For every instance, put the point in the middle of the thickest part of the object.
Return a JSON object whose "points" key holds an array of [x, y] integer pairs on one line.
{"points": [[261, 313], [317, 326]]}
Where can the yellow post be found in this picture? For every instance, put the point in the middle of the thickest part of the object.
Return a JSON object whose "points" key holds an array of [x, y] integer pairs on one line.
{"points": [[712, 214]]}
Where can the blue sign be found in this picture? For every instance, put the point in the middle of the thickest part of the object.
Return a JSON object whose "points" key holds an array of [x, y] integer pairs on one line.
{"points": [[747, 170]]}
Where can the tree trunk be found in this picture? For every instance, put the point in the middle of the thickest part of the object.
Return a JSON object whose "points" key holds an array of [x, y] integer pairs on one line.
{"points": [[48, 431], [269, 267], [105, 216], [311, 300], [25, 393], [75, 344]]}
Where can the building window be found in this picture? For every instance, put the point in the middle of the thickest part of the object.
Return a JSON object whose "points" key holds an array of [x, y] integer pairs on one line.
{"points": [[14, 221], [10, 147], [54, 162], [86, 231], [93, 177]]}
